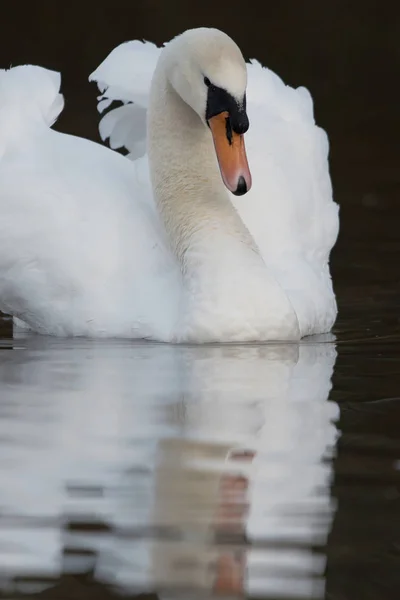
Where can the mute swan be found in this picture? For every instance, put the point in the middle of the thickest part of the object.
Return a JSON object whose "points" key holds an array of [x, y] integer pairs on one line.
{"points": [[93, 244]]}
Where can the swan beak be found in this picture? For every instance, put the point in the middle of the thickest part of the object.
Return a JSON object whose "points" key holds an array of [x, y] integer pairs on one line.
{"points": [[231, 154]]}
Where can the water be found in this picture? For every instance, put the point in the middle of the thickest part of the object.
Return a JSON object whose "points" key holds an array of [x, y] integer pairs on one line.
{"points": [[166, 467]]}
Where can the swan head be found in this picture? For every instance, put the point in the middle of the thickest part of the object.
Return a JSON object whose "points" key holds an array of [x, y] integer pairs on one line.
{"points": [[209, 73]]}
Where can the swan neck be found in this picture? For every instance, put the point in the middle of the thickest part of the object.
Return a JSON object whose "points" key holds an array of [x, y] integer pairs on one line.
{"points": [[191, 197]]}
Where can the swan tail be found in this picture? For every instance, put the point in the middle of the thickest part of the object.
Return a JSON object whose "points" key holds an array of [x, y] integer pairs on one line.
{"points": [[125, 76], [28, 93]]}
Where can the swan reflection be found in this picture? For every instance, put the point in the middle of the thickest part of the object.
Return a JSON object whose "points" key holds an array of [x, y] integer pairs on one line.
{"points": [[168, 468]]}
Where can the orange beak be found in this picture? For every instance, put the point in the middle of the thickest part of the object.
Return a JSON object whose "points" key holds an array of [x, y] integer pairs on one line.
{"points": [[231, 154]]}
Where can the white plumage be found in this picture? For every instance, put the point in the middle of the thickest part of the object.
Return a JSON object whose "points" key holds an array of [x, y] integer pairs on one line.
{"points": [[83, 250]]}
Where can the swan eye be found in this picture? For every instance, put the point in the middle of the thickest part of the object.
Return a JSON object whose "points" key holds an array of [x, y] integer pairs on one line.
{"points": [[207, 81]]}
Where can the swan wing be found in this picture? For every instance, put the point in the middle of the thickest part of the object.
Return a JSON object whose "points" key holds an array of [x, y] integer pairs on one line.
{"points": [[290, 209], [82, 251], [125, 75]]}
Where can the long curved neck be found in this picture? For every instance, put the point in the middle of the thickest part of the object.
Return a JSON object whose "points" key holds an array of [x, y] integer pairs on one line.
{"points": [[192, 200]]}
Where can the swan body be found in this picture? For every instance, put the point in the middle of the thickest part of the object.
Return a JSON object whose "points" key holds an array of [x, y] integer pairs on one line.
{"points": [[154, 245]]}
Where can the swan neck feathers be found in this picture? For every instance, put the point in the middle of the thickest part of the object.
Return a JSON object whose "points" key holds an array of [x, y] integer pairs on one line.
{"points": [[191, 197]]}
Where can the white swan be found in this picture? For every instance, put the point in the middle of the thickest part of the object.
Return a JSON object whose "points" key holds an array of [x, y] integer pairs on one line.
{"points": [[91, 246]]}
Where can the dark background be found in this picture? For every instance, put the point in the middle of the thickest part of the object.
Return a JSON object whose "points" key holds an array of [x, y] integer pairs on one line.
{"points": [[347, 53]]}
